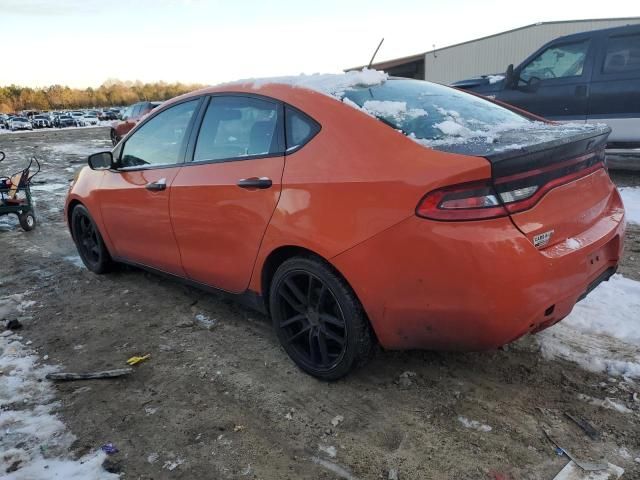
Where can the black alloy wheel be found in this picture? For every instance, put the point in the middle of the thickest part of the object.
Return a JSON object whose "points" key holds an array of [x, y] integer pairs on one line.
{"points": [[91, 247], [318, 319]]}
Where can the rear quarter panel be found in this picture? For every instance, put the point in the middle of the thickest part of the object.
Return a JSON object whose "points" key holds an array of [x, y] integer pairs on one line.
{"points": [[355, 179]]}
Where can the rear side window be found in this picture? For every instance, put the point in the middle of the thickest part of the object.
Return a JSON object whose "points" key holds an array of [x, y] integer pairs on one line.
{"points": [[623, 54], [236, 127], [299, 128], [558, 61]]}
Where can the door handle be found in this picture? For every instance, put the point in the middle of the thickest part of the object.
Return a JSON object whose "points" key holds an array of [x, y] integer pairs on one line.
{"points": [[157, 186], [255, 182]]}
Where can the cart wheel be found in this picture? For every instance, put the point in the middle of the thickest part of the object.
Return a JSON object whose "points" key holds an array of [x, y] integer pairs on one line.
{"points": [[27, 221]]}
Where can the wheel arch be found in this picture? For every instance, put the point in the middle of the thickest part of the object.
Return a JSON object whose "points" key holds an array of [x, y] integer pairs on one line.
{"points": [[72, 205], [283, 253]]}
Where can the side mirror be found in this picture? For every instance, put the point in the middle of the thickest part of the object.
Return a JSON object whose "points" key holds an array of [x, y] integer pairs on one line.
{"points": [[101, 161], [509, 77]]}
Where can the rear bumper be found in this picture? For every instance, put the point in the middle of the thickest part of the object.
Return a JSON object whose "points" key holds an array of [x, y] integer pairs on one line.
{"points": [[474, 285]]}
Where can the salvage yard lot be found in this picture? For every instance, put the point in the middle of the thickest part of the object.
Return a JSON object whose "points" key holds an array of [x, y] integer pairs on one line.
{"points": [[220, 399]]}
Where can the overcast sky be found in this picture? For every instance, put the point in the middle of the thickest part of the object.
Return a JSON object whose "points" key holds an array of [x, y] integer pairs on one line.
{"points": [[84, 42]]}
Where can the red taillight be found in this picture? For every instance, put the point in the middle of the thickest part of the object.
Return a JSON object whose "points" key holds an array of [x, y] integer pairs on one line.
{"points": [[467, 201], [506, 194]]}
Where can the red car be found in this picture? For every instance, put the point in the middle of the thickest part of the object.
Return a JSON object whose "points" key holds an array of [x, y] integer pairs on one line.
{"points": [[130, 117], [391, 211]]}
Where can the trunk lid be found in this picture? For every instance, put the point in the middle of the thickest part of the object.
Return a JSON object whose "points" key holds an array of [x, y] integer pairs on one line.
{"points": [[551, 178]]}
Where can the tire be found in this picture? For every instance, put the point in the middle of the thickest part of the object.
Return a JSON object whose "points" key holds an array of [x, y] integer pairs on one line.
{"points": [[27, 221], [307, 295], [89, 242]]}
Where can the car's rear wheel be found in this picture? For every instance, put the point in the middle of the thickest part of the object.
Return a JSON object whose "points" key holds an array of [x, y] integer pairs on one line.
{"points": [[91, 247], [318, 318]]}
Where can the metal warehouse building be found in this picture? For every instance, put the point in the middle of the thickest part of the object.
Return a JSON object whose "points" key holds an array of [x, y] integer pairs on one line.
{"points": [[490, 54]]}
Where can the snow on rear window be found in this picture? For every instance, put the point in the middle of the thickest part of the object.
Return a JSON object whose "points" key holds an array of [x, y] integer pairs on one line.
{"points": [[433, 113]]}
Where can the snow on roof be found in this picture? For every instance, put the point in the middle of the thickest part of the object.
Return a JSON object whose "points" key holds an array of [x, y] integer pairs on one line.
{"points": [[333, 84]]}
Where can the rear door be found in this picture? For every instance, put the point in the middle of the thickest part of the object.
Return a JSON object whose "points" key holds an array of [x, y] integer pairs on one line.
{"points": [[224, 196], [554, 83], [134, 199], [615, 89]]}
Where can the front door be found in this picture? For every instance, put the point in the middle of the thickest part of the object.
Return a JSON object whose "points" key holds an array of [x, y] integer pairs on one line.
{"points": [[222, 200], [555, 83], [134, 199]]}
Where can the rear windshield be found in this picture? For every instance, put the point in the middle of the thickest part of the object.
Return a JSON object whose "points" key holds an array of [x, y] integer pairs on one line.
{"points": [[431, 112]]}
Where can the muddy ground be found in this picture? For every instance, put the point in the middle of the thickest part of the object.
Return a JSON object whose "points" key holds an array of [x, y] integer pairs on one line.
{"points": [[220, 399]]}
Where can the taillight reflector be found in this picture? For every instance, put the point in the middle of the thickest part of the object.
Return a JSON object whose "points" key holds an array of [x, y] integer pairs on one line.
{"points": [[468, 201]]}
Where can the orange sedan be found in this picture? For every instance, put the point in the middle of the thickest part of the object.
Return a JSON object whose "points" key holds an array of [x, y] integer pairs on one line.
{"points": [[358, 209]]}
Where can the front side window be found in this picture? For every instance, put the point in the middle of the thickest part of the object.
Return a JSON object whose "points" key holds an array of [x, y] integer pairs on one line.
{"points": [[160, 140], [623, 54], [236, 127], [559, 61]]}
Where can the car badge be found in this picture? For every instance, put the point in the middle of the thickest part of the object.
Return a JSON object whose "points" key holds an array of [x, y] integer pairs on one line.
{"points": [[542, 239]]}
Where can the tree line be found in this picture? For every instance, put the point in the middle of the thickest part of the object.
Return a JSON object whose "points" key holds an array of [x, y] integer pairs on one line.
{"points": [[112, 93]]}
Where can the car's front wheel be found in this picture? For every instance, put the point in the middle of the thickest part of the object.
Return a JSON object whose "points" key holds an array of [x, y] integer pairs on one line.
{"points": [[89, 242], [318, 318]]}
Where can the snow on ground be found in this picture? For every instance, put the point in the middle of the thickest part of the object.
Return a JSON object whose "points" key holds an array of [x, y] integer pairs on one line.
{"points": [[34, 444], [631, 200], [104, 123], [474, 424], [602, 333]]}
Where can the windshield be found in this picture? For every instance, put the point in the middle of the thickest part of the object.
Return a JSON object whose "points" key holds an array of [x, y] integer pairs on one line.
{"points": [[432, 112]]}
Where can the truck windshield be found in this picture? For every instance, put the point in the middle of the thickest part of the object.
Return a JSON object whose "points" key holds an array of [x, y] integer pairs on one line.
{"points": [[432, 112]]}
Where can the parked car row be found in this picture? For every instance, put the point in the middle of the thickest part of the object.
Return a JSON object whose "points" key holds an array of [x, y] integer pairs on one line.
{"points": [[129, 118], [31, 119]]}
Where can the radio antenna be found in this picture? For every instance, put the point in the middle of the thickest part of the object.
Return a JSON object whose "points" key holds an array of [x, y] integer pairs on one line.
{"points": [[375, 53]]}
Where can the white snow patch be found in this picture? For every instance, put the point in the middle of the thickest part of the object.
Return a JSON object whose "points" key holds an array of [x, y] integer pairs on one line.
{"points": [[75, 260], [631, 200], [329, 450], [457, 129], [604, 403], [34, 440], [601, 334], [474, 424], [172, 464], [572, 244], [49, 187], [495, 78], [205, 321], [333, 84], [394, 110]]}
